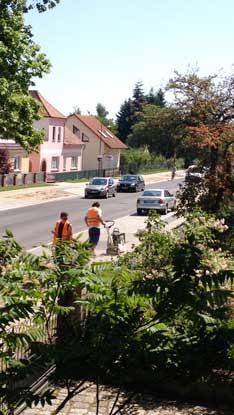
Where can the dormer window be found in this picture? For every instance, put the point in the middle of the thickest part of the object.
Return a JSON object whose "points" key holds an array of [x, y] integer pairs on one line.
{"points": [[76, 131], [85, 138]]}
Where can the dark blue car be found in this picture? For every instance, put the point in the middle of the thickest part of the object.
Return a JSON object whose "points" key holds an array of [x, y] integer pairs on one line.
{"points": [[131, 183]]}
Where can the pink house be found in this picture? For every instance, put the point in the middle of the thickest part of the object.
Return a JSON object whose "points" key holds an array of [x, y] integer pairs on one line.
{"points": [[61, 150]]}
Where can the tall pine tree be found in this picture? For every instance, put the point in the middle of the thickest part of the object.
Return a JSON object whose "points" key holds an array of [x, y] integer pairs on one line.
{"points": [[138, 101], [156, 98], [124, 120]]}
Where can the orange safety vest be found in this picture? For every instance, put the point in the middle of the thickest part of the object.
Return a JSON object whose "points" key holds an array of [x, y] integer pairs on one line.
{"points": [[66, 232], [93, 217]]}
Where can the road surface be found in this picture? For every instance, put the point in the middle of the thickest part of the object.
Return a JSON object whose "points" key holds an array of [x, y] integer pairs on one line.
{"points": [[31, 225]]}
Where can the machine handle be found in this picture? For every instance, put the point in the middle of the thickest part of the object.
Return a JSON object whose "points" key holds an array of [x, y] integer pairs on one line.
{"points": [[109, 223]]}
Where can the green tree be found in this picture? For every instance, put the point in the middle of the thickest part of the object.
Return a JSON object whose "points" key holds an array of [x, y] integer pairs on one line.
{"points": [[102, 114], [41, 6], [124, 120], [205, 105], [138, 101], [101, 110], [156, 98], [159, 129], [20, 62]]}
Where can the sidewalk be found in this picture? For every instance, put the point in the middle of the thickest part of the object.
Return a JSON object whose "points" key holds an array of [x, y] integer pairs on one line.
{"points": [[84, 403], [13, 199], [129, 225]]}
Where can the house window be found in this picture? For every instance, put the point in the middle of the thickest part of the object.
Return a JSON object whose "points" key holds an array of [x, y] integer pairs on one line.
{"points": [[74, 162], [17, 163], [64, 163], [76, 131], [59, 134], [85, 138], [54, 134], [55, 163]]}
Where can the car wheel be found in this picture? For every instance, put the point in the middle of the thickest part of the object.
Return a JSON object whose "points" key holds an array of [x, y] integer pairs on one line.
{"points": [[139, 211]]}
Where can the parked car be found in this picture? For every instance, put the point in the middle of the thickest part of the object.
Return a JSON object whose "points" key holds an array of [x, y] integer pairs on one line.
{"points": [[100, 186], [195, 173], [131, 183], [156, 199]]}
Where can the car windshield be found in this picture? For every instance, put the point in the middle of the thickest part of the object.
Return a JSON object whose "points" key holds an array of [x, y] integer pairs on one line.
{"points": [[99, 182], [129, 178], [156, 193]]}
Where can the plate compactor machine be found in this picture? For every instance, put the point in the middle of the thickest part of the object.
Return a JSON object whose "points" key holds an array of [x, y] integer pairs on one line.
{"points": [[115, 239]]}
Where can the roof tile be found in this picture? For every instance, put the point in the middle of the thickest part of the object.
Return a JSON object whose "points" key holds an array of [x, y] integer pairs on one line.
{"points": [[101, 131]]}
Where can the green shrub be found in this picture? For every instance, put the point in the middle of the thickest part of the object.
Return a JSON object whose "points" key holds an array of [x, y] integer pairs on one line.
{"points": [[139, 160]]}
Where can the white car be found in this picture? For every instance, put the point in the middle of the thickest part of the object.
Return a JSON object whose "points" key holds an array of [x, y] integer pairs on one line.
{"points": [[195, 173], [156, 199]]}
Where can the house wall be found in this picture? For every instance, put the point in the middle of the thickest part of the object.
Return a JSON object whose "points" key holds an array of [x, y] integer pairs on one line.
{"points": [[67, 154], [34, 162], [94, 147], [15, 150], [109, 163], [48, 148], [24, 163]]}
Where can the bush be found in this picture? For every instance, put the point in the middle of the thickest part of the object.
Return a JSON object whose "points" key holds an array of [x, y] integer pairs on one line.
{"points": [[135, 161]]}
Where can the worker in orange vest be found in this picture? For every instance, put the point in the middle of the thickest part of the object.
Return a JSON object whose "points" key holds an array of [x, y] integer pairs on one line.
{"points": [[93, 220], [63, 229]]}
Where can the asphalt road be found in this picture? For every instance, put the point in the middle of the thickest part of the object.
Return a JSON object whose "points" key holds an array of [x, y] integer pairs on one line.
{"points": [[31, 225]]}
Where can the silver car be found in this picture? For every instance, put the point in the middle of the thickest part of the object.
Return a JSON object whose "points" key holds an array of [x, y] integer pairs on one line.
{"points": [[156, 199], [101, 187]]}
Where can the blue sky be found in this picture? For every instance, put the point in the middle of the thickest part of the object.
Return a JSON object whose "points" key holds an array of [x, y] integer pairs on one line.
{"points": [[100, 48]]}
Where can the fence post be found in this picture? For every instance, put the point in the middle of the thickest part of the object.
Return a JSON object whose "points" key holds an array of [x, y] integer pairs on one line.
{"points": [[4, 177]]}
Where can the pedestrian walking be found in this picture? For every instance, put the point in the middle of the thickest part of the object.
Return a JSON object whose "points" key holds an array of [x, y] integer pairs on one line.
{"points": [[63, 229], [173, 171], [93, 220]]}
